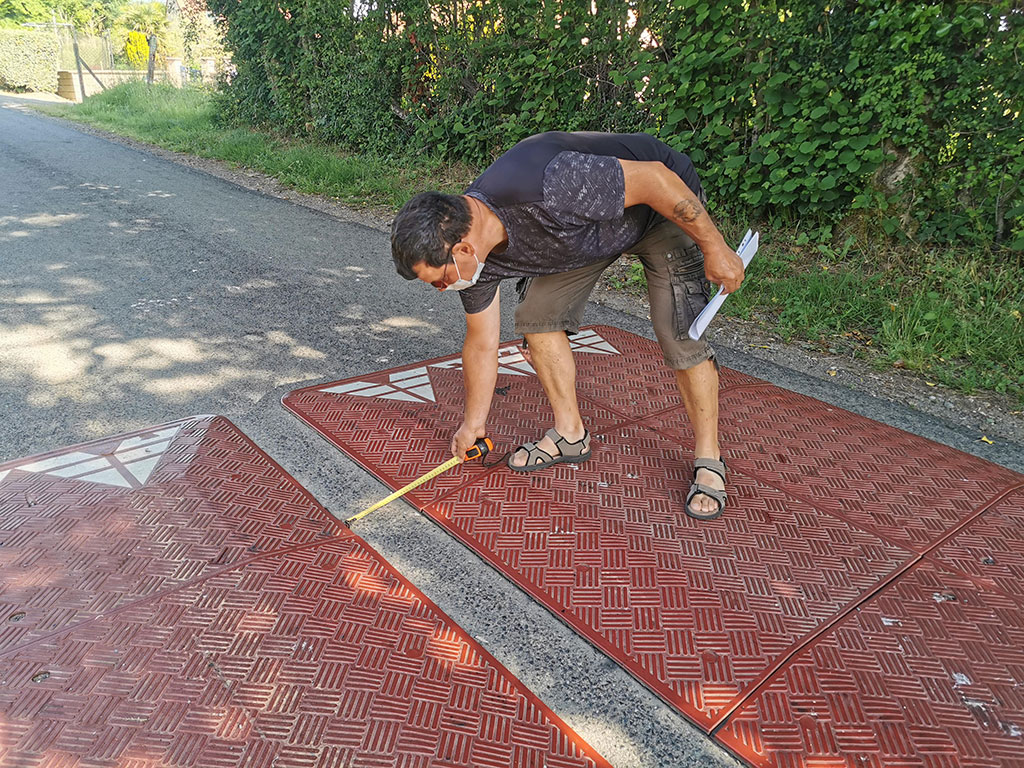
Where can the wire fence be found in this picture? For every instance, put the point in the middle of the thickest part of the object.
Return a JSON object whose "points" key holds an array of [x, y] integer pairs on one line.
{"points": [[52, 56], [96, 51]]}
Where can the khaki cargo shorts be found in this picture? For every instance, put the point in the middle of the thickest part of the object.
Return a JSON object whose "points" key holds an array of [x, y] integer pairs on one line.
{"points": [[676, 288]]}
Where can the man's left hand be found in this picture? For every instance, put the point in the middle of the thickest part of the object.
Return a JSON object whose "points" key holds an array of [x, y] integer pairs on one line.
{"points": [[723, 267]]}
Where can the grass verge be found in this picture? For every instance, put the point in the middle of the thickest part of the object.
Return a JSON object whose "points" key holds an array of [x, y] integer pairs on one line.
{"points": [[185, 120], [954, 315]]}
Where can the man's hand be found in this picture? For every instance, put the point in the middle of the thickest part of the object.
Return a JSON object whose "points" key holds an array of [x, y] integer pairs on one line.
{"points": [[723, 267], [464, 439]]}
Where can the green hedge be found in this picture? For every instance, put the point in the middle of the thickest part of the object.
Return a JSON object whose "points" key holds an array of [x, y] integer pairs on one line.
{"points": [[28, 61], [905, 117]]}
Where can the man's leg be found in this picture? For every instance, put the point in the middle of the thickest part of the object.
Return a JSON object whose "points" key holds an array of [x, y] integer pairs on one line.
{"points": [[552, 305], [699, 388], [552, 359], [667, 248]]}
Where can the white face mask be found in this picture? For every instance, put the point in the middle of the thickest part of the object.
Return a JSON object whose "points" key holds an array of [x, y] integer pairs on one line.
{"points": [[461, 284]]}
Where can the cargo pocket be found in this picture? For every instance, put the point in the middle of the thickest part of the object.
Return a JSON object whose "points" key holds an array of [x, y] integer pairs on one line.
{"points": [[690, 291], [522, 286]]}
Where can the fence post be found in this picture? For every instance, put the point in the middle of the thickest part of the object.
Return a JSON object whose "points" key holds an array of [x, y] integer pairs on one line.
{"points": [[78, 61], [152, 58], [56, 36]]}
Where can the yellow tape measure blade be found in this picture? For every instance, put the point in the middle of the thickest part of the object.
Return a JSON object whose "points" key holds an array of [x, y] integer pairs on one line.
{"points": [[453, 461]]}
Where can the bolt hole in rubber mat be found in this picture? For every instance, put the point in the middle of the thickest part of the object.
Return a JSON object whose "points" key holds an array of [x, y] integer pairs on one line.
{"points": [[173, 598], [830, 516]]}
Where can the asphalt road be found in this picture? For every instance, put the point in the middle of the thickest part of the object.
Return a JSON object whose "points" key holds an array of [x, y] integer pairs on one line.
{"points": [[136, 291]]}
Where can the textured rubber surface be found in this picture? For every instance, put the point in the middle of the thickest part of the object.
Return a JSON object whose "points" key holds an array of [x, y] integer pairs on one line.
{"points": [[929, 672], [827, 509], [174, 598], [697, 612], [990, 548]]}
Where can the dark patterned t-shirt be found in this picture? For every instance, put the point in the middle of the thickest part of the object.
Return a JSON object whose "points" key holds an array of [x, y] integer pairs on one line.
{"points": [[561, 197]]}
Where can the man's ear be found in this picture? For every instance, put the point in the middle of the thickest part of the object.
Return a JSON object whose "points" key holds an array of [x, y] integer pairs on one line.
{"points": [[462, 248]]}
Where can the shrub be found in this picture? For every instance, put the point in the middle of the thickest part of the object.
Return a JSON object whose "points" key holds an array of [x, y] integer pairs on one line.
{"points": [[906, 116], [28, 61]]}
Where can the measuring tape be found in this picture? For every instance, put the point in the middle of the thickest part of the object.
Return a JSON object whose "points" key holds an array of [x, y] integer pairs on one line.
{"points": [[480, 448]]}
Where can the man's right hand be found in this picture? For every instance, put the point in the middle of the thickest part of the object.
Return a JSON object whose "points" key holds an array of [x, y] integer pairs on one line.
{"points": [[464, 439], [723, 267]]}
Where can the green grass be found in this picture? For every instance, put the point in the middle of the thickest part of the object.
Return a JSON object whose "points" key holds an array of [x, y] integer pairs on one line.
{"points": [[954, 315], [185, 120]]}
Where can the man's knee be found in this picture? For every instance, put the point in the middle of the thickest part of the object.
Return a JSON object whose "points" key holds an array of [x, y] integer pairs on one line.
{"points": [[701, 370], [687, 355]]}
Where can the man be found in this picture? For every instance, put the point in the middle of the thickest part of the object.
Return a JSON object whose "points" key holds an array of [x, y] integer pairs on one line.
{"points": [[558, 208]]}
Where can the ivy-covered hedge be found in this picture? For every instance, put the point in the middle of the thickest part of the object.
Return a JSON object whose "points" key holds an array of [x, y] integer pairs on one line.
{"points": [[28, 61], [908, 114]]}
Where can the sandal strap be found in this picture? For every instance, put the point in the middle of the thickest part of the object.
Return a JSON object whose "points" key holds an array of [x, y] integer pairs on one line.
{"points": [[566, 448], [713, 493], [533, 453], [712, 465]]}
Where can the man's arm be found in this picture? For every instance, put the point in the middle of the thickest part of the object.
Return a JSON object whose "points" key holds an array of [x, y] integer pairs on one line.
{"points": [[654, 184], [480, 373]]}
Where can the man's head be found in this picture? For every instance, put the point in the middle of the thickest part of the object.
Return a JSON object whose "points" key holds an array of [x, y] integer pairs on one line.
{"points": [[425, 231]]}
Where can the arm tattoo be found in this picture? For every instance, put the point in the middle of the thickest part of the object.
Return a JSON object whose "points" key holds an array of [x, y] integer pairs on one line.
{"points": [[686, 211]]}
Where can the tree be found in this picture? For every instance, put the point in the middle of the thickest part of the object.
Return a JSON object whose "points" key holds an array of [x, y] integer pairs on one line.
{"points": [[16, 12], [91, 16], [147, 18]]}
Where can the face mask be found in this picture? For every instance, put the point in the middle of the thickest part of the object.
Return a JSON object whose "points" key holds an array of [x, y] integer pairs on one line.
{"points": [[461, 284]]}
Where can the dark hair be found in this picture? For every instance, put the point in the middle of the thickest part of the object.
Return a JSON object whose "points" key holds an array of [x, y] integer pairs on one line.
{"points": [[425, 230]]}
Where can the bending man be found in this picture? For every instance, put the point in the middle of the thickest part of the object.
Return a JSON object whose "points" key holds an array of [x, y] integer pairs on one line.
{"points": [[555, 211]]}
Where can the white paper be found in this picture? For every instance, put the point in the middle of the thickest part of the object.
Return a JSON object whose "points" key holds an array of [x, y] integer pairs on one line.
{"points": [[746, 252]]}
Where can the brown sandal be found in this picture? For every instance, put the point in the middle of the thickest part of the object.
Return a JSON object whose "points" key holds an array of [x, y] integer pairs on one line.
{"points": [[712, 465], [540, 459]]}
